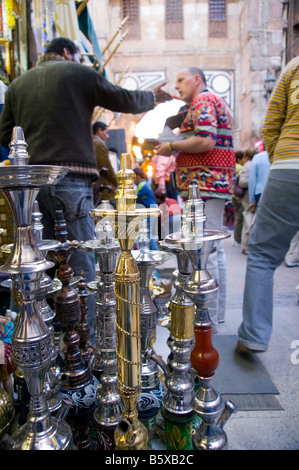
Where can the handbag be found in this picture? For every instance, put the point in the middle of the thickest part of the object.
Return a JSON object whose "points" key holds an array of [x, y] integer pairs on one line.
{"points": [[238, 191]]}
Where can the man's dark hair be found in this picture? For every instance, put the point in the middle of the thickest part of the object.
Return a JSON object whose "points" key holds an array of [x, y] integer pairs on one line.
{"points": [[57, 45], [98, 125], [198, 71]]}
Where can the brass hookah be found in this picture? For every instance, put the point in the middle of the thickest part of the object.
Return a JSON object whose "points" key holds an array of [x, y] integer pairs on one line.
{"points": [[200, 287], [109, 404], [130, 433], [31, 341]]}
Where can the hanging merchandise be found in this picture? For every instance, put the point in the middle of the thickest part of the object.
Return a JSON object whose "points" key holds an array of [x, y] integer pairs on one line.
{"points": [[38, 9], [48, 30], [87, 30], [13, 12], [66, 20], [42, 21]]}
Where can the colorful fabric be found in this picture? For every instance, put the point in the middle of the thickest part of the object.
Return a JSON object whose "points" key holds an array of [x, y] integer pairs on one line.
{"points": [[163, 166], [214, 170]]}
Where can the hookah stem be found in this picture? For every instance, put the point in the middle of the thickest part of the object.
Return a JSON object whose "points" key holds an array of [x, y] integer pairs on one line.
{"points": [[127, 292], [130, 432]]}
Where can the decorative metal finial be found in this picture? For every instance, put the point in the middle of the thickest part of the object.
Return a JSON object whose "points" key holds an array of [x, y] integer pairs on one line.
{"points": [[193, 217], [18, 154]]}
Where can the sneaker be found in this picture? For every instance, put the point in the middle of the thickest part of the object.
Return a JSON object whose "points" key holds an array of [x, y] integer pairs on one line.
{"points": [[292, 265], [243, 350]]}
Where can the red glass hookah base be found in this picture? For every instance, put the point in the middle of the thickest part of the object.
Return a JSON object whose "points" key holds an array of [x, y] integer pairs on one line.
{"points": [[204, 357]]}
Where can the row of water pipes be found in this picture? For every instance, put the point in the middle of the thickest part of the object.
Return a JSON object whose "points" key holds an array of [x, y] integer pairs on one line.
{"points": [[113, 400]]}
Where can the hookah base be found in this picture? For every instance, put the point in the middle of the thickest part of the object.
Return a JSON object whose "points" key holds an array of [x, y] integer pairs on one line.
{"points": [[209, 437], [131, 435], [149, 405], [58, 437], [179, 429], [105, 436], [150, 424]]}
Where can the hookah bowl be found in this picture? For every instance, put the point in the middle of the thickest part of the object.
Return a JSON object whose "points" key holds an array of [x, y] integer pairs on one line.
{"points": [[130, 433], [150, 400], [31, 341], [79, 385], [109, 409], [177, 410]]}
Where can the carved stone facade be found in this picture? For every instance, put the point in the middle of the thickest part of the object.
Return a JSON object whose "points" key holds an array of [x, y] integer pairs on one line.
{"points": [[236, 42]]}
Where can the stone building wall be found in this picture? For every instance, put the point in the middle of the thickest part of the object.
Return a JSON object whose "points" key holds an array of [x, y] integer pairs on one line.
{"points": [[254, 39]]}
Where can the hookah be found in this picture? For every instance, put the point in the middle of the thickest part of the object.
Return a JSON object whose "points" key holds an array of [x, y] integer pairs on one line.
{"points": [[150, 400], [79, 384], [20, 386], [130, 433], [200, 287], [83, 326], [109, 409], [47, 288], [177, 411], [107, 249], [31, 341]]}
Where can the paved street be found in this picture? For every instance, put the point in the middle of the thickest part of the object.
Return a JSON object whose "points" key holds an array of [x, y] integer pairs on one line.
{"points": [[275, 429]]}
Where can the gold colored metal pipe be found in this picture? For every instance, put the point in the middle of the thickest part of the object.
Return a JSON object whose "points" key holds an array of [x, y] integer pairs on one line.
{"points": [[130, 434]]}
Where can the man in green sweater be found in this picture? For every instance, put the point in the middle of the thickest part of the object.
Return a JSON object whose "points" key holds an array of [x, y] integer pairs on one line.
{"points": [[277, 218], [54, 103]]}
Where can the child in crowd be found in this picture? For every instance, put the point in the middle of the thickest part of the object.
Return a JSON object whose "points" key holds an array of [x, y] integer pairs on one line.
{"points": [[145, 194], [146, 197]]}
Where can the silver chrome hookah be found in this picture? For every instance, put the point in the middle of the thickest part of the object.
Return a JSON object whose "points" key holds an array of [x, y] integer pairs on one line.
{"points": [[150, 400], [207, 403], [109, 404], [31, 341], [79, 385], [47, 288], [177, 410]]}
